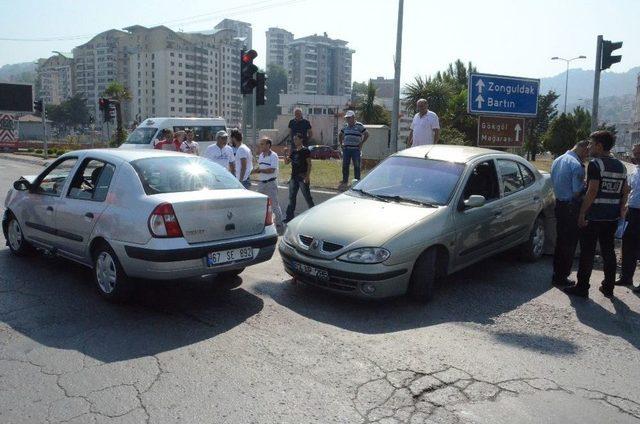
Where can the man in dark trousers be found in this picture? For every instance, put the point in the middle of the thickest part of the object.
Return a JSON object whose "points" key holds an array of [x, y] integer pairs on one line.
{"points": [[567, 176], [631, 236], [299, 125], [602, 206], [300, 159]]}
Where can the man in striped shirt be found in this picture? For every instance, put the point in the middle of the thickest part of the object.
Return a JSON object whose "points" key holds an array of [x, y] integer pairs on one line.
{"points": [[352, 138]]}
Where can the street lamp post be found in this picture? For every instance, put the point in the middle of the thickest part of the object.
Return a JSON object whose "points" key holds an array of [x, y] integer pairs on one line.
{"points": [[566, 78]]}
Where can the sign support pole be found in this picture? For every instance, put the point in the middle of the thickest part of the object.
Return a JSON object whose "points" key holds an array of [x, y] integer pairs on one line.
{"points": [[44, 129]]}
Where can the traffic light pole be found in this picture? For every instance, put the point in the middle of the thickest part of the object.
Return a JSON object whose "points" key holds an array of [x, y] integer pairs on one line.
{"points": [[596, 85], [253, 117], [44, 130]]}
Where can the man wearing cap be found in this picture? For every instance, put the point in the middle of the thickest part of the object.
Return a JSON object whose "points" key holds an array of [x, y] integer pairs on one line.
{"points": [[220, 152], [267, 171], [425, 127], [352, 138]]}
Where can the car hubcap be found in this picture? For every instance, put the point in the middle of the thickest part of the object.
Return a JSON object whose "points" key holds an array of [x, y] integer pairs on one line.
{"points": [[538, 239], [15, 235], [106, 272]]}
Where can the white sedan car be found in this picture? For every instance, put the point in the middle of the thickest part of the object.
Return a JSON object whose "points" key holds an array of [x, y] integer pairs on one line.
{"points": [[146, 213]]}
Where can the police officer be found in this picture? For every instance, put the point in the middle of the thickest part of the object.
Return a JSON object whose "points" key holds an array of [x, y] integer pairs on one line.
{"points": [[567, 175], [631, 236], [602, 206]]}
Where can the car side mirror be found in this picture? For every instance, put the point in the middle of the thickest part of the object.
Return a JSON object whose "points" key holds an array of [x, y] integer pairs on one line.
{"points": [[22, 185], [474, 201]]}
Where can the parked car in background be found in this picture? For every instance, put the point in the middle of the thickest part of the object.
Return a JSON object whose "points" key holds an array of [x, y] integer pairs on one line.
{"points": [[421, 214], [140, 213], [320, 151]]}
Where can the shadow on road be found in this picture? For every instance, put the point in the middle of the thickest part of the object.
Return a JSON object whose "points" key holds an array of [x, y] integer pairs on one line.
{"points": [[54, 303], [479, 294]]}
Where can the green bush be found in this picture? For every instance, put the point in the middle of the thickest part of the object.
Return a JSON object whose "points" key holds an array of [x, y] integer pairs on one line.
{"points": [[30, 150], [39, 151]]}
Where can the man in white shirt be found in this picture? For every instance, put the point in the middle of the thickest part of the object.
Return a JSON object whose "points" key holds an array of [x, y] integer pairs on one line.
{"points": [[221, 153], [425, 128], [189, 145], [243, 159], [631, 236], [267, 171]]}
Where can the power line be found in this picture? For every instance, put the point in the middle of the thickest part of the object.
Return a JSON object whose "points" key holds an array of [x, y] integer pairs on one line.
{"points": [[234, 11]]}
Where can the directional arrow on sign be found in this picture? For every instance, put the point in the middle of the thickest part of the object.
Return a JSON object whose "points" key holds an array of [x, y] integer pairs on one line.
{"points": [[479, 100], [480, 85], [518, 128]]}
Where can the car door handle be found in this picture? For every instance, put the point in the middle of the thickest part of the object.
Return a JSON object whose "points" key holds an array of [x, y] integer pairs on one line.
{"points": [[88, 215]]}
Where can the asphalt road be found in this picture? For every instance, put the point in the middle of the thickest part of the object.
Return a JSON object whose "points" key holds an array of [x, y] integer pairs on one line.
{"points": [[497, 345]]}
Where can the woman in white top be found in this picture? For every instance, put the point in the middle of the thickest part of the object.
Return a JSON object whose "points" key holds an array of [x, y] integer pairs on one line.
{"points": [[189, 146]]}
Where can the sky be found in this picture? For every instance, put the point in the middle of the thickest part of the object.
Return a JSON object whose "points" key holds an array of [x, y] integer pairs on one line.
{"points": [[506, 37]]}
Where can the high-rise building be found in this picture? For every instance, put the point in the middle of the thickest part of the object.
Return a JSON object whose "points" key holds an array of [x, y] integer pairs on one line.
{"points": [[184, 74], [99, 62], [384, 87], [635, 131], [242, 30], [55, 79], [277, 46], [319, 65]]}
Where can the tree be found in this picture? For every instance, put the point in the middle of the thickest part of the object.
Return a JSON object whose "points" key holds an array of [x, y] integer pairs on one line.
{"points": [[118, 92], [358, 91], [582, 118], [562, 134], [371, 113], [537, 127], [276, 84], [453, 136], [71, 113]]}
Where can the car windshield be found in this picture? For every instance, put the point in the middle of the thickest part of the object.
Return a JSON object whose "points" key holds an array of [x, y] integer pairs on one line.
{"points": [[141, 135], [412, 180], [174, 174]]}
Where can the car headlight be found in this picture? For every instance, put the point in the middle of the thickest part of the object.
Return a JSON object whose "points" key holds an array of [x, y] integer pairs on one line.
{"points": [[366, 255]]}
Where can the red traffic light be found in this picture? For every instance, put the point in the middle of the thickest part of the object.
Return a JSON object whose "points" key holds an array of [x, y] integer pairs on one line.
{"points": [[249, 56]]}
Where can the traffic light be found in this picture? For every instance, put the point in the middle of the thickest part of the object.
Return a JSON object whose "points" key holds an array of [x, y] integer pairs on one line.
{"points": [[105, 106], [247, 69], [608, 47], [37, 106], [261, 88]]}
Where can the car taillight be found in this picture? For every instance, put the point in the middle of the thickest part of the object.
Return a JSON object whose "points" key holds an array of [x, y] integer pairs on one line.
{"points": [[268, 219], [163, 222]]}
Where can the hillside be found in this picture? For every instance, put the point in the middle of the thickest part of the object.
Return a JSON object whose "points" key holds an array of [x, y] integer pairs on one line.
{"points": [[19, 72]]}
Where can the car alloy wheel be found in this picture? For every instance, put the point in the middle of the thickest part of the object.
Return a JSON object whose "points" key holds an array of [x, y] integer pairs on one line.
{"points": [[106, 272], [15, 235], [538, 238]]}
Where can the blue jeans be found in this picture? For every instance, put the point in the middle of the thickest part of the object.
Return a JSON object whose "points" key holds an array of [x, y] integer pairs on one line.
{"points": [[349, 154], [246, 183], [297, 183]]}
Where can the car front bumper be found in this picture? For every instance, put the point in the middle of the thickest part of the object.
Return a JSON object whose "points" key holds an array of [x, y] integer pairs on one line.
{"points": [[166, 259], [346, 278]]}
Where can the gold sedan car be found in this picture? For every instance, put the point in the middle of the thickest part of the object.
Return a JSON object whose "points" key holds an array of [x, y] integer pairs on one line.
{"points": [[421, 214]]}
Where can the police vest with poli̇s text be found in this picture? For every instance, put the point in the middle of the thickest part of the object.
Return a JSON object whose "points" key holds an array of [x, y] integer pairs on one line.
{"points": [[613, 174]]}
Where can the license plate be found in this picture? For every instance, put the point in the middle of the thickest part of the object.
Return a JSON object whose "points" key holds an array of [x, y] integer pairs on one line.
{"points": [[226, 256], [320, 274]]}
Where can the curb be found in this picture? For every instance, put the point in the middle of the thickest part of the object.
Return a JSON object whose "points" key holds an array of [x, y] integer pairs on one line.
{"points": [[18, 158]]}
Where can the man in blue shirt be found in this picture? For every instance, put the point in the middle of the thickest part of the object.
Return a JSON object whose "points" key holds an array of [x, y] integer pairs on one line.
{"points": [[631, 236], [352, 137], [567, 176]]}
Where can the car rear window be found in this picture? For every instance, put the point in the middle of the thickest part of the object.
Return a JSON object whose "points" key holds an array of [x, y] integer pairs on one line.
{"points": [[173, 174]]}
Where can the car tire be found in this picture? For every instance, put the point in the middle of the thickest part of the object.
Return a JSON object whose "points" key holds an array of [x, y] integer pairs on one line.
{"points": [[533, 248], [227, 275], [111, 281], [18, 245], [423, 278]]}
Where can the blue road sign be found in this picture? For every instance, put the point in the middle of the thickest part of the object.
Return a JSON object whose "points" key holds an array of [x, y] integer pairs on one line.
{"points": [[502, 95]]}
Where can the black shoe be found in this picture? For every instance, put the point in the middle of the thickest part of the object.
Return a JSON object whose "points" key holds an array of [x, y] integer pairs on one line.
{"points": [[621, 282], [576, 290], [562, 283], [606, 292]]}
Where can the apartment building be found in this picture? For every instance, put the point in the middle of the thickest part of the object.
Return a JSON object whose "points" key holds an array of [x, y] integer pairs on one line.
{"points": [[184, 74], [242, 30], [278, 41], [635, 129], [97, 63], [319, 65], [55, 76]]}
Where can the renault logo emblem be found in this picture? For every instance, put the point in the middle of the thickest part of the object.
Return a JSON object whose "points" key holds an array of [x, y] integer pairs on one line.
{"points": [[229, 215], [315, 244]]}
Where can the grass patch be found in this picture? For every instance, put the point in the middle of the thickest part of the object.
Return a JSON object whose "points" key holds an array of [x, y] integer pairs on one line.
{"points": [[543, 164]]}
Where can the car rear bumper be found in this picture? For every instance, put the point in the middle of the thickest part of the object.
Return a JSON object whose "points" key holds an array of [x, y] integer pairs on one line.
{"points": [[349, 279], [176, 262]]}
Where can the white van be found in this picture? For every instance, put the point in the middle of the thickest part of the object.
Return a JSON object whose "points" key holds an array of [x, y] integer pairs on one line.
{"points": [[204, 129]]}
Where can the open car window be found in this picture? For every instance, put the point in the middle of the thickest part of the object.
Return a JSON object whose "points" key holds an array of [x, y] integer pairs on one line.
{"points": [[53, 180], [92, 180], [483, 181]]}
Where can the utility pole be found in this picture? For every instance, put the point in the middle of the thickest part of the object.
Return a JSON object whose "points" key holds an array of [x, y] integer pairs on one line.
{"points": [[44, 129], [253, 117], [596, 85], [396, 81]]}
